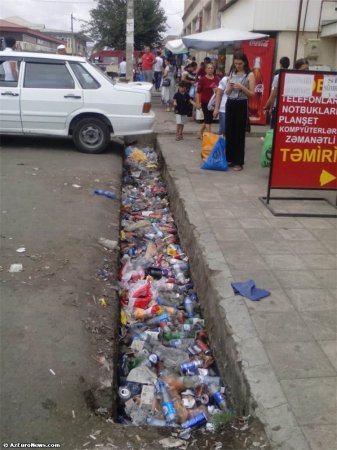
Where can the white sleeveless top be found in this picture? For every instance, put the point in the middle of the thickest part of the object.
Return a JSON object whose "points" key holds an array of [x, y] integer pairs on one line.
{"points": [[239, 78]]}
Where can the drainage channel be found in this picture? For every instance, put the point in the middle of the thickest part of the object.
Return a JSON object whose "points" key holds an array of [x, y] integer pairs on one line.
{"points": [[168, 373]]}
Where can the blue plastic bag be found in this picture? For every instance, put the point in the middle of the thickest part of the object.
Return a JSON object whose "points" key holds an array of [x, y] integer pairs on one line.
{"points": [[216, 159]]}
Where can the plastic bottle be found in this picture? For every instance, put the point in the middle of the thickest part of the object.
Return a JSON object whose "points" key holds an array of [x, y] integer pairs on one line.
{"points": [[155, 422], [180, 265], [189, 307], [155, 321], [195, 380], [159, 233], [217, 397], [207, 379], [165, 286], [167, 403], [140, 335], [108, 194], [180, 277], [169, 335], [182, 344]]}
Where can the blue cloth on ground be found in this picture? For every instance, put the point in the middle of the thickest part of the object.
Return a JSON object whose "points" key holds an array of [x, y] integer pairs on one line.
{"points": [[216, 159], [249, 290]]}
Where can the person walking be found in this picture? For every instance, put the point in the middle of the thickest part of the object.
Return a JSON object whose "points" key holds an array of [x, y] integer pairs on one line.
{"points": [[190, 78], [122, 68], [148, 61], [220, 105], [158, 70], [241, 85], [207, 86], [301, 64], [270, 106], [61, 49], [10, 67], [183, 105], [202, 68], [168, 85]]}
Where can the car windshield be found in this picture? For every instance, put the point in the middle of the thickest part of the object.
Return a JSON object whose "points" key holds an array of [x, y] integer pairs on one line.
{"points": [[101, 72]]}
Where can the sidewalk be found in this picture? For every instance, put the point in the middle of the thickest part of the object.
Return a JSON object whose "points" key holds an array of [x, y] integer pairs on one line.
{"points": [[283, 348]]}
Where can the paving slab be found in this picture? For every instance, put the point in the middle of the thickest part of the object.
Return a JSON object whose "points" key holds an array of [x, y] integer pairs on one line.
{"points": [[280, 352]]}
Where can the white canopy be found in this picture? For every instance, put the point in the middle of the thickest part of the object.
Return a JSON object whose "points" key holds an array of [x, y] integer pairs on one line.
{"points": [[176, 46], [219, 37]]}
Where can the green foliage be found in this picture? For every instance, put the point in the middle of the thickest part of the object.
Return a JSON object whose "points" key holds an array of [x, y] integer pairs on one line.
{"points": [[222, 420], [108, 23]]}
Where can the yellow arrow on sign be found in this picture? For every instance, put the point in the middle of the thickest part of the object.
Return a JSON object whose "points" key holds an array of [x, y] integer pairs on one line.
{"points": [[326, 177]]}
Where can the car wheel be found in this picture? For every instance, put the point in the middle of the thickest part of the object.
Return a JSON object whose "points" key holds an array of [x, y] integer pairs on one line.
{"points": [[91, 135]]}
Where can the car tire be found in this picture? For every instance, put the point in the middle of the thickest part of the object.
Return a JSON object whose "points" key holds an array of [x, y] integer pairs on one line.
{"points": [[91, 135]]}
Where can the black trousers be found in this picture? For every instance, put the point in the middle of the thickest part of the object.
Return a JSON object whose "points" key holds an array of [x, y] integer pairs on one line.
{"points": [[236, 121]]}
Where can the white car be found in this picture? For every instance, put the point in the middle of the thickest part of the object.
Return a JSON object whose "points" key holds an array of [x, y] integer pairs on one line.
{"points": [[61, 95]]}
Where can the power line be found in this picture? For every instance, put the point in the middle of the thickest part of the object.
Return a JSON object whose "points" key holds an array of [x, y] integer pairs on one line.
{"points": [[67, 1], [174, 14]]}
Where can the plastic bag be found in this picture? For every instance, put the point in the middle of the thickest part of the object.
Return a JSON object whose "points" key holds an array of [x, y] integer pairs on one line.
{"points": [[138, 155], [199, 115], [211, 103], [265, 157], [207, 144], [192, 91], [217, 158]]}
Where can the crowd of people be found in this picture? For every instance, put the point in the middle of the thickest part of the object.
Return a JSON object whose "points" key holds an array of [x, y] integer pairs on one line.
{"points": [[191, 87]]}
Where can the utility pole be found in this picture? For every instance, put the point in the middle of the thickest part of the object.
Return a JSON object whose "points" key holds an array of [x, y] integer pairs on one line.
{"points": [[130, 25], [72, 33], [299, 15]]}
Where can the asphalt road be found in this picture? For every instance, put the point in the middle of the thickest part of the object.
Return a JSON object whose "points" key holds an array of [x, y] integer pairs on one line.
{"points": [[54, 327], [58, 318]]}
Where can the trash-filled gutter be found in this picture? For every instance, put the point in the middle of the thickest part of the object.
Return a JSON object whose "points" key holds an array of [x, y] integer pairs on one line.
{"points": [[167, 371]]}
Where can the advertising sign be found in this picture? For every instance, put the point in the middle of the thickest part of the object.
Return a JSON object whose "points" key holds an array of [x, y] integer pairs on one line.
{"points": [[305, 138], [260, 54]]}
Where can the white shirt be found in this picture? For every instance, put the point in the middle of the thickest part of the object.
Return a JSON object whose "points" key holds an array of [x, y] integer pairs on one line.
{"points": [[7, 67], [158, 64], [222, 86], [122, 68], [274, 86]]}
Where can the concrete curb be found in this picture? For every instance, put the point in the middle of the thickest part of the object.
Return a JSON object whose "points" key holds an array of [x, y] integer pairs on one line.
{"points": [[239, 352]]}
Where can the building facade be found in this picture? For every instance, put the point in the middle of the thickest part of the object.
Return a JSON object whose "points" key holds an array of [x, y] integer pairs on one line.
{"points": [[27, 39], [75, 42], [301, 28]]}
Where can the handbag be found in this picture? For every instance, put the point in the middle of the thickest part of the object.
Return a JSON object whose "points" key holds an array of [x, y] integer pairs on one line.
{"points": [[167, 82]]}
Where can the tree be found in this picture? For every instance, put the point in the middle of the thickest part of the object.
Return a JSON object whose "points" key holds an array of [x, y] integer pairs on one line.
{"points": [[108, 23]]}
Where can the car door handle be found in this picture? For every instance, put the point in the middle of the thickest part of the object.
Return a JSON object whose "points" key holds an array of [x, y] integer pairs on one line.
{"points": [[13, 94], [72, 96]]}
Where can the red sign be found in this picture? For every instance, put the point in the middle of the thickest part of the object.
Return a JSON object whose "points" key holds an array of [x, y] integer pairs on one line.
{"points": [[260, 54], [305, 138]]}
